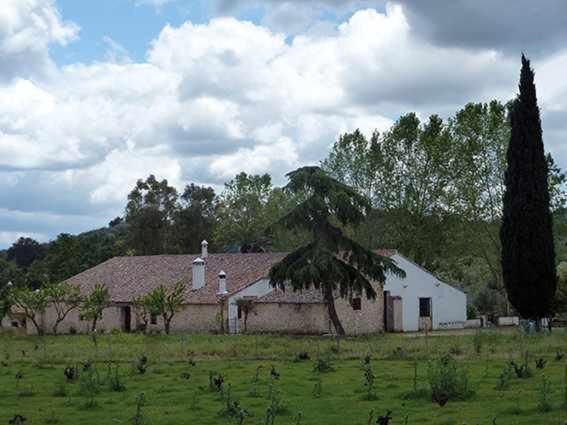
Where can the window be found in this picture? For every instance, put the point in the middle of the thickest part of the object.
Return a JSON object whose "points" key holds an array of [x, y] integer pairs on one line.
{"points": [[153, 319], [425, 307], [239, 312], [356, 303]]}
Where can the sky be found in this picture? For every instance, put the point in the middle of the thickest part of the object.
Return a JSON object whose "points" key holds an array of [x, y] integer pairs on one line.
{"points": [[95, 94]]}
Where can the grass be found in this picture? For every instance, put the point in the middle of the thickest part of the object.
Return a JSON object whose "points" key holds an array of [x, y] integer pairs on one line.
{"points": [[177, 392]]}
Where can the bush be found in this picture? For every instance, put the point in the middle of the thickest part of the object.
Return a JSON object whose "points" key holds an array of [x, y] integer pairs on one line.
{"points": [[448, 381], [504, 378]]}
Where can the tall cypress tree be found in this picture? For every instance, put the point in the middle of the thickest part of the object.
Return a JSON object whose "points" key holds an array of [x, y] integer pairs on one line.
{"points": [[528, 255], [331, 262]]}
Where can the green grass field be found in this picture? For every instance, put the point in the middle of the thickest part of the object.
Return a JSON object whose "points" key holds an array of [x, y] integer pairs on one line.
{"points": [[176, 384]]}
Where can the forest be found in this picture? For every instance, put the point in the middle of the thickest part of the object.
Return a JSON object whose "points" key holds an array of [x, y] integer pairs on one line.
{"points": [[435, 185]]}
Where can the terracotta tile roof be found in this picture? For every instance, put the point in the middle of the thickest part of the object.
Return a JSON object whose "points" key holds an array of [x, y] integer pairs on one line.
{"points": [[129, 277]]}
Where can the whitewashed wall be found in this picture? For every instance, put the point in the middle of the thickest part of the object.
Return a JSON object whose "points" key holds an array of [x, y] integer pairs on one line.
{"points": [[449, 305], [258, 289]]}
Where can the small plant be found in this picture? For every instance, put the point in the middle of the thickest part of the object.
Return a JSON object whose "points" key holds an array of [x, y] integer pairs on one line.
{"points": [[385, 420], [17, 420], [274, 374], [522, 371], [89, 388], [215, 382], [87, 365], [369, 379], [544, 396], [185, 375], [301, 356], [504, 378], [366, 360], [318, 387], [142, 364], [559, 356], [448, 381], [399, 353], [139, 418], [71, 373], [540, 363], [116, 384], [323, 365]]}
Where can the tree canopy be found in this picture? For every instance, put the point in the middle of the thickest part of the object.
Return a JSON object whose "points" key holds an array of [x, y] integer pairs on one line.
{"points": [[331, 262]]}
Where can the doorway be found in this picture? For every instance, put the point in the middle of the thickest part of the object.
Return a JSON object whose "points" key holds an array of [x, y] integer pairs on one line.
{"points": [[126, 314], [425, 316]]}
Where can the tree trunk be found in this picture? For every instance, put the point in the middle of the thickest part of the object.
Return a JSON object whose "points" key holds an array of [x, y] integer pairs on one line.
{"points": [[93, 327], [38, 328], [167, 324], [330, 301]]}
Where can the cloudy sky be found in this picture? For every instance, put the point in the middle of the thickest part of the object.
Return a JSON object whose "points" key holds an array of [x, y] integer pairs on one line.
{"points": [[95, 94]]}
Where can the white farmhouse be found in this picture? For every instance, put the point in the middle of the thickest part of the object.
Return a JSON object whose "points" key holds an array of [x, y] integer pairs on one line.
{"points": [[421, 301]]}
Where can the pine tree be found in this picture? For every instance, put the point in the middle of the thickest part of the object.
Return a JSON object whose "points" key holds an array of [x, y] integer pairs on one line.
{"points": [[331, 262], [528, 256]]}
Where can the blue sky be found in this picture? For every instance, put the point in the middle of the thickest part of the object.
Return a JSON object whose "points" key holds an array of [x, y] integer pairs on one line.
{"points": [[133, 25], [95, 94]]}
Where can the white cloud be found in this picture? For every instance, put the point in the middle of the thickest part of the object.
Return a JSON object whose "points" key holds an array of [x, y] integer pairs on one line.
{"points": [[213, 99], [27, 28]]}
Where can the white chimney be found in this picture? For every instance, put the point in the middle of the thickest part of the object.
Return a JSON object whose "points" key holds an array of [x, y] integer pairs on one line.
{"points": [[204, 249], [222, 283], [198, 273]]}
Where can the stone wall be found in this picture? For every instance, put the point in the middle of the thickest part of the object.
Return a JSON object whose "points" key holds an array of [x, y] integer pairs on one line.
{"points": [[368, 320], [314, 318], [288, 318]]}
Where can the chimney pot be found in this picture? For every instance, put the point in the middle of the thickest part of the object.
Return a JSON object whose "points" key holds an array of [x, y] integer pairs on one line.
{"points": [[222, 283], [198, 270], [204, 249]]}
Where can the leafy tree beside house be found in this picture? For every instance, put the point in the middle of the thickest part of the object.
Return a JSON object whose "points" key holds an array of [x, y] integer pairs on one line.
{"points": [[95, 303], [32, 303], [331, 262], [528, 253], [142, 308], [64, 298], [166, 302]]}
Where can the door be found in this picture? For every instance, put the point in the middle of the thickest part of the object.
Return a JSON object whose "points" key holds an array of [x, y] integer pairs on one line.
{"points": [[126, 318], [425, 316]]}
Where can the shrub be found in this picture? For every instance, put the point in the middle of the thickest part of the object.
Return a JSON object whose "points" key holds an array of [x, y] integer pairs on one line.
{"points": [[504, 378], [369, 379], [115, 382], [89, 388], [448, 381], [139, 417], [545, 396], [398, 353], [323, 365], [301, 356]]}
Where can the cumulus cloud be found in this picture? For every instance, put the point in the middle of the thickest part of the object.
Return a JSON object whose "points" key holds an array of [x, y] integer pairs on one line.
{"points": [[27, 28], [213, 99]]}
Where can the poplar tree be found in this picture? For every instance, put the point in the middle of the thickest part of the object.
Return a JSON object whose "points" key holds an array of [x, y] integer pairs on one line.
{"points": [[528, 255]]}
